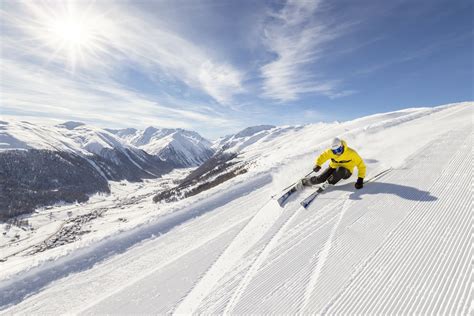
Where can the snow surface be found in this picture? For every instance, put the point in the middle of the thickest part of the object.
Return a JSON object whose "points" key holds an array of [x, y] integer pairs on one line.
{"points": [[24, 135], [401, 245]]}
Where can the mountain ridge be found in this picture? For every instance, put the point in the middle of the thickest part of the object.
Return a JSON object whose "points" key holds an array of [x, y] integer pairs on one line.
{"points": [[33, 155], [182, 147]]}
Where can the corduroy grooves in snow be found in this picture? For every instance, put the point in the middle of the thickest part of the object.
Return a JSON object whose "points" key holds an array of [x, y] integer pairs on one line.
{"points": [[401, 245]]}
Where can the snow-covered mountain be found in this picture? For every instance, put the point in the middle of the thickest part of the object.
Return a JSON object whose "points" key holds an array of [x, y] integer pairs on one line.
{"points": [[126, 154], [400, 245], [178, 146], [42, 165], [223, 165]]}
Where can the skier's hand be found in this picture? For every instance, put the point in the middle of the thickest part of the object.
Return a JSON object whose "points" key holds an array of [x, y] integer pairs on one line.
{"points": [[316, 168], [359, 184]]}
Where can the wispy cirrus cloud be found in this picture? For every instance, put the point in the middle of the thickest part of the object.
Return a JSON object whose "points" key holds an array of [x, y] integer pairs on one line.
{"points": [[104, 36], [297, 36], [64, 59], [41, 93]]}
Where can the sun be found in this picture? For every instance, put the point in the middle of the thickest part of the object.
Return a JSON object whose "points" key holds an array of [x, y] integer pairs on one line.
{"points": [[70, 36], [72, 30]]}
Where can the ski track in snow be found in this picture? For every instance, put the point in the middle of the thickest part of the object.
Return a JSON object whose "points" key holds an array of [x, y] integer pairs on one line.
{"points": [[323, 255], [263, 255], [423, 260], [258, 262], [248, 237], [303, 231]]}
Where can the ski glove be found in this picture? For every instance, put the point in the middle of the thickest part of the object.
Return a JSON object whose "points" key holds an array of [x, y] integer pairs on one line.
{"points": [[316, 168], [359, 184]]}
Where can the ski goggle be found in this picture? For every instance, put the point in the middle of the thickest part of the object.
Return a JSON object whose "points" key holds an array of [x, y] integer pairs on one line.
{"points": [[338, 150]]}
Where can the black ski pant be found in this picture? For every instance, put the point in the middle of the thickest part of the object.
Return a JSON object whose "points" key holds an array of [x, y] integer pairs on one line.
{"points": [[331, 175]]}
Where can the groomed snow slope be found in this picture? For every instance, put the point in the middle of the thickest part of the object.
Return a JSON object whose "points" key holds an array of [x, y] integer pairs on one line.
{"points": [[401, 245]]}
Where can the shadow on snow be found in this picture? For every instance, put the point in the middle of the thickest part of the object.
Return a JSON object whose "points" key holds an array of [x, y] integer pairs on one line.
{"points": [[403, 191]]}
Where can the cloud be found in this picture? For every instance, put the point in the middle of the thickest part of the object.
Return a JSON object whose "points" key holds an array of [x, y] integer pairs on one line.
{"points": [[28, 91], [103, 36], [298, 40], [220, 81], [56, 75]]}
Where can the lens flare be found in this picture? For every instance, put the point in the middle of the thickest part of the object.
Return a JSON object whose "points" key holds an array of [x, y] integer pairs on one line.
{"points": [[72, 30]]}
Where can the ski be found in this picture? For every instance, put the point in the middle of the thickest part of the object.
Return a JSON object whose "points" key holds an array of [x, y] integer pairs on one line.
{"points": [[289, 190], [307, 201], [282, 200]]}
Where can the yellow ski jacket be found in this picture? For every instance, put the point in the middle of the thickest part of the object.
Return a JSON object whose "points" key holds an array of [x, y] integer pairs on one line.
{"points": [[348, 159]]}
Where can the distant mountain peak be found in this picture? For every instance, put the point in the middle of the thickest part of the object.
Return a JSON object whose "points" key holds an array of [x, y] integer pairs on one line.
{"points": [[150, 130], [70, 125], [178, 146]]}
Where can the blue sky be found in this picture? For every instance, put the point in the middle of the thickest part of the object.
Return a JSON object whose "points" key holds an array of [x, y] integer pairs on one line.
{"points": [[219, 66]]}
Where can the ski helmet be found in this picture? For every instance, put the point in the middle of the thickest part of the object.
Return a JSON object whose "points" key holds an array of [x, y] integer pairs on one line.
{"points": [[336, 146]]}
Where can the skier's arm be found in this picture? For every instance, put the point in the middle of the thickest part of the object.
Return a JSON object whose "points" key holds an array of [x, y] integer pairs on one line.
{"points": [[322, 158], [361, 167]]}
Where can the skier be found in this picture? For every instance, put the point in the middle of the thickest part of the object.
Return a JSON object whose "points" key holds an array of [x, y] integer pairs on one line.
{"points": [[343, 161]]}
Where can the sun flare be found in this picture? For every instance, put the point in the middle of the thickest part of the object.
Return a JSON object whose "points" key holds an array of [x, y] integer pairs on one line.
{"points": [[72, 32]]}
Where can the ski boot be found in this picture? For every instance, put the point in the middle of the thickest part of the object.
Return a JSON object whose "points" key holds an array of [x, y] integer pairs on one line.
{"points": [[303, 183]]}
